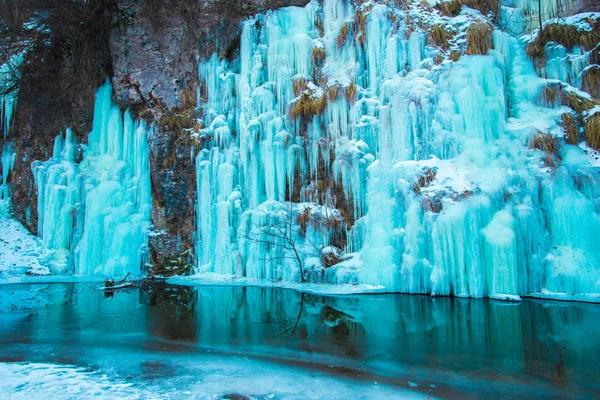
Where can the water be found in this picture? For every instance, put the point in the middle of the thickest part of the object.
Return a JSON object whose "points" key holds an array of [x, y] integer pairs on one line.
{"points": [[223, 340]]}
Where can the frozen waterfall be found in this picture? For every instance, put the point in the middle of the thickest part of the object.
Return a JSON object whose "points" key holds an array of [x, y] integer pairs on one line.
{"points": [[95, 212], [425, 166]]}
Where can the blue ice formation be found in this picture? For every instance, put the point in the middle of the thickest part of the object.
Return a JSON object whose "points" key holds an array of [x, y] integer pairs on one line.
{"points": [[95, 213], [447, 196]]}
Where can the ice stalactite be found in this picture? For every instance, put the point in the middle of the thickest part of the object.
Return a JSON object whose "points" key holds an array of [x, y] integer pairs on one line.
{"points": [[9, 74], [8, 162], [425, 165], [95, 213]]}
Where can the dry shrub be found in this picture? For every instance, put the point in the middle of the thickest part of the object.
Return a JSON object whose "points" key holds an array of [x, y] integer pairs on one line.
{"points": [[454, 7], [304, 219], [555, 95], [318, 56], [440, 36], [592, 131], [330, 259], [594, 55], [342, 36], [360, 22], [571, 127], [188, 99], [404, 4], [450, 8], [299, 86], [424, 5], [438, 59], [334, 92], [479, 38], [544, 142], [351, 92], [308, 106], [179, 122], [319, 25], [567, 35], [484, 6], [454, 55], [590, 81]]}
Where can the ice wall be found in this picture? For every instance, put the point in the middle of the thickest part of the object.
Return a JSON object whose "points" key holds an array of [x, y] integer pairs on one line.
{"points": [[430, 160], [94, 208]]}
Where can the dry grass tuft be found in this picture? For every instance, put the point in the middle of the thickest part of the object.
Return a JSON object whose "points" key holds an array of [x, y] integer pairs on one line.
{"points": [[450, 8], [544, 142], [479, 38], [342, 36], [179, 122], [592, 131], [438, 59], [567, 35], [590, 81], [299, 86], [440, 36], [351, 92], [454, 7], [304, 219], [549, 145], [554, 95], [360, 23], [334, 92], [424, 5], [404, 4], [454, 55], [319, 25], [308, 106], [571, 127], [318, 56]]}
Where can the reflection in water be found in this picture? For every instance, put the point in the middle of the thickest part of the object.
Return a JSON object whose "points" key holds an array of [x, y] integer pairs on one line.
{"points": [[556, 345]]}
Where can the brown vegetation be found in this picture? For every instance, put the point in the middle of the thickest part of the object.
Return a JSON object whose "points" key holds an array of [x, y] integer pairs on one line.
{"points": [[544, 142], [308, 106], [318, 56], [454, 55], [440, 36], [555, 95], [570, 125], [567, 35], [453, 8], [342, 36], [350, 93], [590, 81], [479, 38], [592, 131], [549, 145], [299, 86]]}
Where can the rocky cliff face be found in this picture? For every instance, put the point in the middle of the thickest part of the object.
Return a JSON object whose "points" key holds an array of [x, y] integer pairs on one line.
{"points": [[150, 49]]}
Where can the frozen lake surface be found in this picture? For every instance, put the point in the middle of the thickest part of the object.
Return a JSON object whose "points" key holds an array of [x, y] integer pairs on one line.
{"points": [[68, 340]]}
